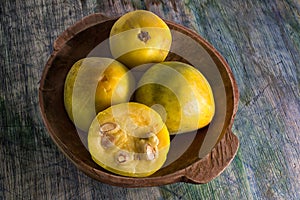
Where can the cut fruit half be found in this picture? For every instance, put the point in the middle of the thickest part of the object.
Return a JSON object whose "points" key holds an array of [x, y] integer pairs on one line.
{"points": [[129, 139]]}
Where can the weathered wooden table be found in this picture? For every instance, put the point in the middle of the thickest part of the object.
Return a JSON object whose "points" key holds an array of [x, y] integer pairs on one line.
{"points": [[259, 39]]}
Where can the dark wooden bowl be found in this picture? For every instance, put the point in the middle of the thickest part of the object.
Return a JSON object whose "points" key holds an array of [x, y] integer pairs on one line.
{"points": [[195, 157]]}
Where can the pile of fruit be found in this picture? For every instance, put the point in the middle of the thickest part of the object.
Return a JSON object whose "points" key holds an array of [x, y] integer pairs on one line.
{"points": [[129, 121]]}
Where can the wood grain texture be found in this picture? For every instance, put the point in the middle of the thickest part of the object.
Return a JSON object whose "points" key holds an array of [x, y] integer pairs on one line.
{"points": [[259, 39]]}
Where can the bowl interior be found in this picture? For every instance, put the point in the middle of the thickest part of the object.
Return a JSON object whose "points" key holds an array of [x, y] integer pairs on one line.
{"points": [[185, 149]]}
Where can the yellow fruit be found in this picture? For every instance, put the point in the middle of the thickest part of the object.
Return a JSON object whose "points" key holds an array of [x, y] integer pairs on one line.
{"points": [[140, 37], [180, 93], [129, 139], [94, 84]]}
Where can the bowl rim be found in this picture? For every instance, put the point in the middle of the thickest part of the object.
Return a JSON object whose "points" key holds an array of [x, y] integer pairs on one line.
{"points": [[183, 175]]}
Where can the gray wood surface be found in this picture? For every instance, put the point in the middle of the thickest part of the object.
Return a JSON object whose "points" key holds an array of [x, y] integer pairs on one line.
{"points": [[259, 39]]}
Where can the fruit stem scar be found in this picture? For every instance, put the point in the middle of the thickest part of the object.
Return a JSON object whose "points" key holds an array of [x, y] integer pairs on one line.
{"points": [[144, 36]]}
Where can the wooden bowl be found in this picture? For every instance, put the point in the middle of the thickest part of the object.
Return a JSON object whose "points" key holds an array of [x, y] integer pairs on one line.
{"points": [[195, 157]]}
